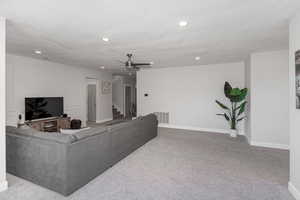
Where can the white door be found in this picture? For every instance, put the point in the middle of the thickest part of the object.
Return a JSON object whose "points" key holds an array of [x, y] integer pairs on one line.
{"points": [[92, 103]]}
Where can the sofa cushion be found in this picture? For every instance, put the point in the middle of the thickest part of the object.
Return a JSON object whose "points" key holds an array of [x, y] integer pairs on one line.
{"points": [[119, 125], [24, 130], [53, 136], [89, 132]]}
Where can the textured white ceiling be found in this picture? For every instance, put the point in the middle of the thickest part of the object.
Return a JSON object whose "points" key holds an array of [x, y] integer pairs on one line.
{"points": [[70, 31]]}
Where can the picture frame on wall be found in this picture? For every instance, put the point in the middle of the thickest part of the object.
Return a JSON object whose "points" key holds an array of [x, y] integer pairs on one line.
{"points": [[297, 78], [106, 87]]}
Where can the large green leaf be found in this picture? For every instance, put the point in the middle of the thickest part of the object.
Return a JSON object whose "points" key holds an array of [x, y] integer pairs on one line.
{"points": [[225, 115], [240, 119], [237, 108], [238, 95], [227, 89], [235, 92], [244, 93], [222, 105], [242, 108]]}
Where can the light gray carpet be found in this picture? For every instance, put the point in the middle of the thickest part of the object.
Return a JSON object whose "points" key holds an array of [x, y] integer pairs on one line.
{"points": [[181, 165]]}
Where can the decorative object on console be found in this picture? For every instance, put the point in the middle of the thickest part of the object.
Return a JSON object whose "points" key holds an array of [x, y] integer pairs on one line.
{"points": [[106, 87], [233, 114], [75, 124], [20, 120]]}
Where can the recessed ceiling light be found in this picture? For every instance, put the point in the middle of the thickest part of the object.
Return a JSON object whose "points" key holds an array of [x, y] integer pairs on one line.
{"points": [[102, 67], [38, 52], [182, 23], [197, 58], [105, 39], [151, 63]]}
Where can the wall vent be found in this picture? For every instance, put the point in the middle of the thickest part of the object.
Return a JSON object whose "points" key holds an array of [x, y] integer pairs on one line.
{"points": [[162, 117]]}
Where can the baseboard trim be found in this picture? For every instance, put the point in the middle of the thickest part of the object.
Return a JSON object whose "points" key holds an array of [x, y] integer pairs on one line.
{"points": [[104, 120], [193, 128], [270, 145], [3, 186], [294, 191]]}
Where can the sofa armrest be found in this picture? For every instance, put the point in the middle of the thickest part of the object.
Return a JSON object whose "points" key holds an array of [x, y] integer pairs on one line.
{"points": [[41, 161]]}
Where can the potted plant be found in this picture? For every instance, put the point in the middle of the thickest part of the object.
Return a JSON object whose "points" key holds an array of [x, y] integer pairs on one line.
{"points": [[234, 113]]}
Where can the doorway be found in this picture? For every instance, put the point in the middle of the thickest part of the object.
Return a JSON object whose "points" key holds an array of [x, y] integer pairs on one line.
{"points": [[128, 101], [124, 96], [91, 100]]}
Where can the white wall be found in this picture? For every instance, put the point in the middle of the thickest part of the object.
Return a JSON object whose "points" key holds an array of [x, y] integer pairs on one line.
{"points": [[188, 93], [3, 182], [27, 77], [269, 88], [294, 184]]}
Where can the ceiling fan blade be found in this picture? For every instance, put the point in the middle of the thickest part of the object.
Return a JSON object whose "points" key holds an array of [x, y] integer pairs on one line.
{"points": [[140, 64]]}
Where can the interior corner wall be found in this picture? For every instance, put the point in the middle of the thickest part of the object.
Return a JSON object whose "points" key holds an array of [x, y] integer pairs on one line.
{"points": [[189, 94], [248, 107], [269, 98], [28, 77], [294, 184], [3, 182]]}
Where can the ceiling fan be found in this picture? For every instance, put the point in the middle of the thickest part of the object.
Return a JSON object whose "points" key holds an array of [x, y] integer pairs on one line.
{"points": [[133, 66]]}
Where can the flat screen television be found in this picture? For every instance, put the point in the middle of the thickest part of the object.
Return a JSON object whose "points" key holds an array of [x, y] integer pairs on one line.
{"points": [[43, 107]]}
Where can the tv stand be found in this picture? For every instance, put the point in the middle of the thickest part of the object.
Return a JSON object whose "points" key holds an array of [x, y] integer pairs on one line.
{"points": [[53, 124]]}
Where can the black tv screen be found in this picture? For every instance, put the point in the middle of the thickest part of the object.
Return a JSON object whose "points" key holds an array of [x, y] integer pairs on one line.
{"points": [[43, 107]]}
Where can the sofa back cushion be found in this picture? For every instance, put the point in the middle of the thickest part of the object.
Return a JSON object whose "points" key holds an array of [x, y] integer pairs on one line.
{"points": [[29, 132], [89, 133]]}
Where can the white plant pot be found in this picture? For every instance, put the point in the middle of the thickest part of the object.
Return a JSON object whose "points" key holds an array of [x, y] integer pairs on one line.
{"points": [[233, 133]]}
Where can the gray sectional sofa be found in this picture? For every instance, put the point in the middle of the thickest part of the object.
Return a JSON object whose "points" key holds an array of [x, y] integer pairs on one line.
{"points": [[64, 163]]}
